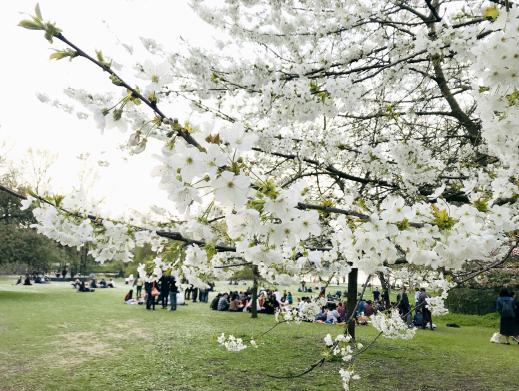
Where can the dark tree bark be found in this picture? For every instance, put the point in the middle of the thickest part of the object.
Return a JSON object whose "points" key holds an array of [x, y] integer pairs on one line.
{"points": [[383, 282], [352, 299], [255, 292]]}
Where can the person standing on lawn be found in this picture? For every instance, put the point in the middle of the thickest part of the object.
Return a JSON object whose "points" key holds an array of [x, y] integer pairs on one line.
{"points": [[164, 289], [139, 282], [173, 290], [385, 298], [506, 306], [426, 313], [404, 306], [416, 297], [150, 300], [375, 295]]}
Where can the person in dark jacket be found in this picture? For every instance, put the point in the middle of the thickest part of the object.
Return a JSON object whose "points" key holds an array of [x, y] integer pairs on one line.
{"points": [[214, 303], [271, 305], [426, 313], [150, 300], [164, 289], [27, 281], [512, 295], [404, 306], [173, 290], [385, 298], [506, 306], [195, 293], [223, 303]]}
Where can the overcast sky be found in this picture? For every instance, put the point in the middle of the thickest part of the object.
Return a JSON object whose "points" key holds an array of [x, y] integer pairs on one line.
{"points": [[27, 70]]}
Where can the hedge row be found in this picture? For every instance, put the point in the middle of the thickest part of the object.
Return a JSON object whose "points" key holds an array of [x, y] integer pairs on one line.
{"points": [[473, 301]]}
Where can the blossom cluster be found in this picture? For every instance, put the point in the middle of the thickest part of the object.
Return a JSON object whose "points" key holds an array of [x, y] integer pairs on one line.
{"points": [[233, 344], [392, 325]]}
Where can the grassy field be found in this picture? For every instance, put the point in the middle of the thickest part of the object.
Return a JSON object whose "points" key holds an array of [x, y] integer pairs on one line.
{"points": [[52, 338]]}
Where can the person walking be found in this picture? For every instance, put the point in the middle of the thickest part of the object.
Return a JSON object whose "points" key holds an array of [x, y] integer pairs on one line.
{"points": [[173, 290], [506, 306], [404, 306], [426, 313], [164, 289], [64, 273]]}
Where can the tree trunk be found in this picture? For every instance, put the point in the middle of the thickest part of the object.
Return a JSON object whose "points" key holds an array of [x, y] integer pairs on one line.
{"points": [[383, 282], [254, 308], [352, 298]]}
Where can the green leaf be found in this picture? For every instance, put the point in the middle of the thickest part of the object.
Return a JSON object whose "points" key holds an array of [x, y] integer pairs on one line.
{"points": [[30, 25], [60, 54], [38, 12]]}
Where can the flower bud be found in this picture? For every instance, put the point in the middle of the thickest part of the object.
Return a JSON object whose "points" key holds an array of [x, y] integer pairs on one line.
{"points": [[134, 139], [141, 146]]}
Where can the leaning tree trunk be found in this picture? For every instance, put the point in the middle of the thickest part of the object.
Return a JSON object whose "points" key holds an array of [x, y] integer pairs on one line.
{"points": [[352, 299], [383, 282], [254, 304]]}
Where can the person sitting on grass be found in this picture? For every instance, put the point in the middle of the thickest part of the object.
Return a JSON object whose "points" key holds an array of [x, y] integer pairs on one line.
{"points": [[321, 316], [379, 306], [331, 315], [368, 309], [27, 281], [111, 284], [271, 305], [20, 281], [214, 303], [102, 284], [235, 305], [76, 285], [342, 312], [223, 303], [83, 288], [129, 295]]}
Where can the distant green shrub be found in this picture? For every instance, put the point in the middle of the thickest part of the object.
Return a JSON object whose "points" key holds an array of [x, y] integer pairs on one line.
{"points": [[472, 301]]}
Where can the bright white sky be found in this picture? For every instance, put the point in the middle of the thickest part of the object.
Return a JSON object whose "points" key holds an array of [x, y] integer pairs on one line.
{"points": [[26, 70]]}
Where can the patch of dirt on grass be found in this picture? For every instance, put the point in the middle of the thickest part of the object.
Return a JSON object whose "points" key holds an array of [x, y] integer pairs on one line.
{"points": [[14, 369], [133, 333], [79, 337], [125, 325], [97, 349]]}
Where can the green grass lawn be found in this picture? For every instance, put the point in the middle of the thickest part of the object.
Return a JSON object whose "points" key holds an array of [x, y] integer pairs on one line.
{"points": [[52, 338]]}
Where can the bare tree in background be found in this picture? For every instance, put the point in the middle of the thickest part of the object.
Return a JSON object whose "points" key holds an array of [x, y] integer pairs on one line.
{"points": [[5, 147], [35, 166], [88, 174]]}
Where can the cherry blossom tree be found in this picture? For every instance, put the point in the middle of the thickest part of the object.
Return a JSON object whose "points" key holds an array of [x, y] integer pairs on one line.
{"points": [[357, 136]]}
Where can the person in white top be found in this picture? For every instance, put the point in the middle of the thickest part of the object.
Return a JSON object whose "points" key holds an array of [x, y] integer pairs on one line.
{"points": [[278, 296]]}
